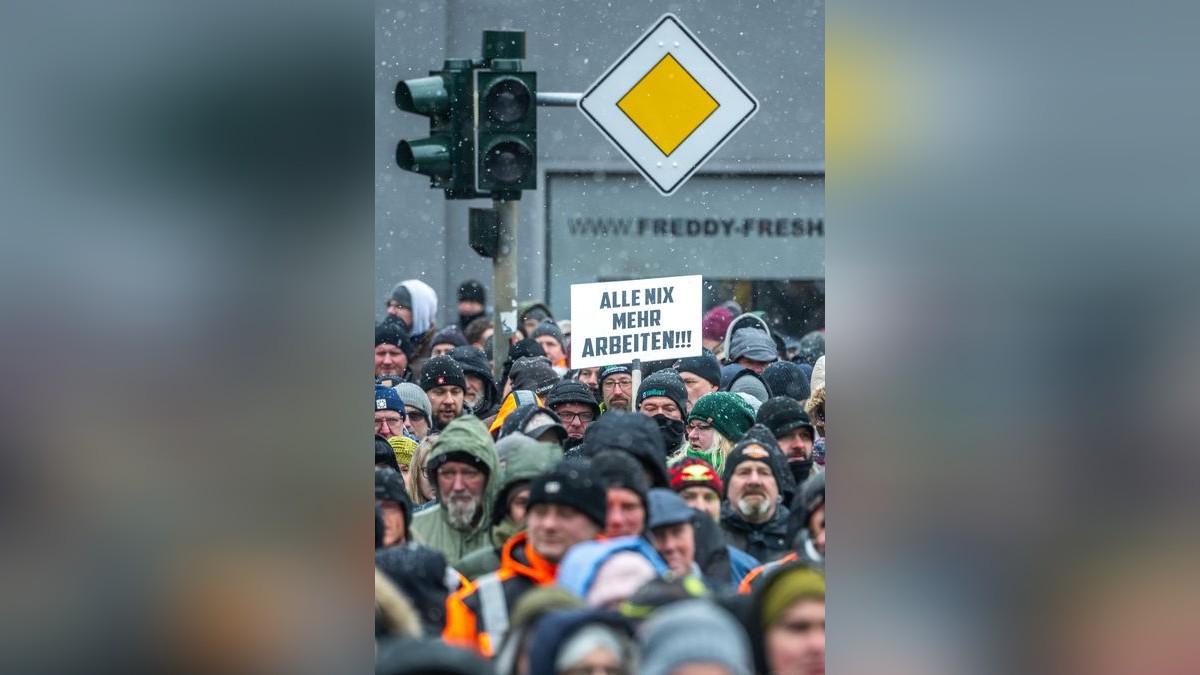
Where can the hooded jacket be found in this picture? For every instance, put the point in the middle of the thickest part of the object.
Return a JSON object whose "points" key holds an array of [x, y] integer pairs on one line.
{"points": [[747, 320], [526, 307], [633, 433], [463, 434], [521, 467], [521, 569], [474, 362]]}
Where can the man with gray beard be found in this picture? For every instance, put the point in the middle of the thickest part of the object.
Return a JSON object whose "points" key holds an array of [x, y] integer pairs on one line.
{"points": [[753, 516], [462, 468]]}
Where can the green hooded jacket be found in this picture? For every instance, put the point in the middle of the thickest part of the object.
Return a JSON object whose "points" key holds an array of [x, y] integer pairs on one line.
{"points": [[464, 434], [524, 464]]}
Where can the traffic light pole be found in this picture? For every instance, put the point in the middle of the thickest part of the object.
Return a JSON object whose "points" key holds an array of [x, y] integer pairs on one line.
{"points": [[504, 285]]}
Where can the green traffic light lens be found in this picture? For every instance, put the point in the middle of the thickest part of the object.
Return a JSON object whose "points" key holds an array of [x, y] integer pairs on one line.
{"points": [[508, 162], [508, 101]]}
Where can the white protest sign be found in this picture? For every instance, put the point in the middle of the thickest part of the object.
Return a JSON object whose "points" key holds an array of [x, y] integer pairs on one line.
{"points": [[647, 319]]}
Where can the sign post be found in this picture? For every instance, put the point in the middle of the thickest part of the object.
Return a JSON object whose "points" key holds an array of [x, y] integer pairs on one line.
{"points": [[634, 321]]}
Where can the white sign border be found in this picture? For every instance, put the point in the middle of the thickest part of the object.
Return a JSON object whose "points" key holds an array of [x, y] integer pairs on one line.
{"points": [[736, 105], [695, 284]]}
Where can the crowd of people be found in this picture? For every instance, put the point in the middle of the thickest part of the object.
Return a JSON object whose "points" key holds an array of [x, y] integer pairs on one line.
{"points": [[668, 520]]}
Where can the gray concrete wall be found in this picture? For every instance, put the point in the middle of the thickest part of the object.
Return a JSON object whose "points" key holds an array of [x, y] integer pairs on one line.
{"points": [[776, 49]]}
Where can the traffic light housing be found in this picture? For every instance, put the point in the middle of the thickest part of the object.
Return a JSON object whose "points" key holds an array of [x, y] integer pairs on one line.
{"points": [[447, 156], [483, 231], [506, 136]]}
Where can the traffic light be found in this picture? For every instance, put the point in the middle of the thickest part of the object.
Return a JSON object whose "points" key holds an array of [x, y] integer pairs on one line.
{"points": [[447, 156], [506, 141]]}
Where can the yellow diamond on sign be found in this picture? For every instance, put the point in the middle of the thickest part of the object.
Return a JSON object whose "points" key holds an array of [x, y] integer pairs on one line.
{"points": [[667, 104]]}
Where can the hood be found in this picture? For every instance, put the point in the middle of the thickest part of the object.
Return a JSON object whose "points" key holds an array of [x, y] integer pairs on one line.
{"points": [[467, 434], [633, 433], [761, 435], [525, 307], [424, 304], [474, 362], [530, 462], [747, 320]]}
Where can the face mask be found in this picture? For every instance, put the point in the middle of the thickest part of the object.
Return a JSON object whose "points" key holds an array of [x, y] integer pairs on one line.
{"points": [[800, 470], [672, 431]]}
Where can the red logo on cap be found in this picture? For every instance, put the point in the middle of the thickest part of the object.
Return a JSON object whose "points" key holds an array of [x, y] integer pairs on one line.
{"points": [[441, 379]]}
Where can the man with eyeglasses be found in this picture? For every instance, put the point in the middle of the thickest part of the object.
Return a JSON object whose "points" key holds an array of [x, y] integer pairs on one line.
{"points": [[390, 416], [575, 406], [616, 387], [462, 468]]}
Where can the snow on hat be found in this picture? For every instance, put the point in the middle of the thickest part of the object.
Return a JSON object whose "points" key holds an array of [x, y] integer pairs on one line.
{"points": [[705, 366], [571, 483], [413, 395], [664, 383], [753, 344], [683, 633], [783, 415], [532, 421], [392, 331], [450, 335], [725, 411], [572, 391], [472, 291], [632, 433], [619, 469], [759, 445], [442, 371], [548, 327], [533, 373], [715, 321], [386, 398], [786, 378], [695, 472]]}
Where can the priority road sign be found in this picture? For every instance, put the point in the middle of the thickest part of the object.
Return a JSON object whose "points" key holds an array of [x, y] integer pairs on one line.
{"points": [[668, 104]]}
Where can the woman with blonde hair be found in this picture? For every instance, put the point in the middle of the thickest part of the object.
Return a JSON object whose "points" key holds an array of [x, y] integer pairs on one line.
{"points": [[714, 425], [417, 483]]}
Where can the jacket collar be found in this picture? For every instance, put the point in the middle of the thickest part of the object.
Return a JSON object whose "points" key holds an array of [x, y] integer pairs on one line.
{"points": [[519, 557]]}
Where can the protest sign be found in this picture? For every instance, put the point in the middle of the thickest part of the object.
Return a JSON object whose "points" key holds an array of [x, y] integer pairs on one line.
{"points": [[646, 319]]}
